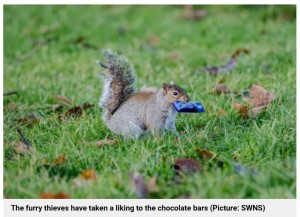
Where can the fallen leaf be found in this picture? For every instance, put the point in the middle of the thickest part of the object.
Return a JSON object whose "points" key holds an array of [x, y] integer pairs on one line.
{"points": [[221, 88], [60, 195], [152, 185], [47, 196], [187, 165], [77, 110], [259, 96], [101, 143], [175, 57], [286, 16], [205, 154], [209, 155], [221, 112], [153, 40], [193, 14], [89, 46], [62, 99], [238, 51], [86, 105], [86, 177], [139, 185], [28, 120], [215, 70], [81, 40], [60, 159], [21, 147], [12, 107], [60, 118], [88, 174], [199, 126], [256, 111], [122, 30], [243, 110]]}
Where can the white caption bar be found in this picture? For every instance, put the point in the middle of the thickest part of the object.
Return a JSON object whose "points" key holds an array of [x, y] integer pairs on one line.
{"points": [[118, 207]]}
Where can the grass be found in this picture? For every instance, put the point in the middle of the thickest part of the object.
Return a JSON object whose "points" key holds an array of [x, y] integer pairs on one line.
{"points": [[65, 65]]}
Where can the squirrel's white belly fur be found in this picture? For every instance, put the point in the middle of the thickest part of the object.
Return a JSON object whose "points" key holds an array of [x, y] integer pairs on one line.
{"points": [[170, 122]]}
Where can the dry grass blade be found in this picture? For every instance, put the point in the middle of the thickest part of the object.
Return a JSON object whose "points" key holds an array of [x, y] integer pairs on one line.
{"points": [[62, 99], [101, 143]]}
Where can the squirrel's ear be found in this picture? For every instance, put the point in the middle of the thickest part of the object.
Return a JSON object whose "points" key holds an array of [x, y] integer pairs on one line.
{"points": [[165, 88], [172, 83]]}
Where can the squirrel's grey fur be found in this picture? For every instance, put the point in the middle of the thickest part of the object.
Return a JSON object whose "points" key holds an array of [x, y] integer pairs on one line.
{"points": [[131, 113]]}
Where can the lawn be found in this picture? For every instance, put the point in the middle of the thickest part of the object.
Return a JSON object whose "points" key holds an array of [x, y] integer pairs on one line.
{"points": [[51, 51]]}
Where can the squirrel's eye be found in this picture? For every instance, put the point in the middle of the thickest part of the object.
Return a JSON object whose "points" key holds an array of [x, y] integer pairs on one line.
{"points": [[175, 93]]}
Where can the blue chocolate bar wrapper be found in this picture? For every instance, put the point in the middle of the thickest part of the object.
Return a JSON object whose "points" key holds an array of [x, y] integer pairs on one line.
{"points": [[191, 106]]}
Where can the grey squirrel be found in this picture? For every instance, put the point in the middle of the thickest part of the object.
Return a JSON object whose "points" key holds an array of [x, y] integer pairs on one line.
{"points": [[129, 112]]}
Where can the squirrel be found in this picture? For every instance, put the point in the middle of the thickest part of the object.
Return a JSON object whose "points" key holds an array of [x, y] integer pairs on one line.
{"points": [[132, 113]]}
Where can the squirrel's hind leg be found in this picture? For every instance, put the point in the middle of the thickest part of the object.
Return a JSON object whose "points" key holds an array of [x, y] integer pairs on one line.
{"points": [[134, 130]]}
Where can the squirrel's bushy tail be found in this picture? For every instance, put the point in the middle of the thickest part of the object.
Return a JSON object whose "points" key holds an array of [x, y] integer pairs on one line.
{"points": [[119, 82]]}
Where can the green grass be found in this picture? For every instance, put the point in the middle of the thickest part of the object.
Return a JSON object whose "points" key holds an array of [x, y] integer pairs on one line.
{"points": [[63, 67]]}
